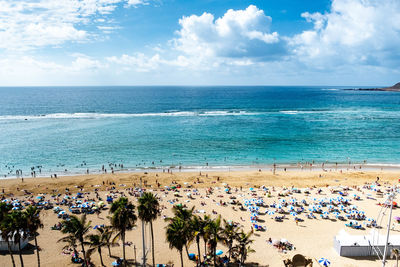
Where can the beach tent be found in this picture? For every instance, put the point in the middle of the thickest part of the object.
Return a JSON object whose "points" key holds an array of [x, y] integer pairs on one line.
{"points": [[363, 245], [13, 245]]}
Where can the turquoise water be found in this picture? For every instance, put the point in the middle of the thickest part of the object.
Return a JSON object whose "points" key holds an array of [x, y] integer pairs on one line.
{"points": [[75, 128]]}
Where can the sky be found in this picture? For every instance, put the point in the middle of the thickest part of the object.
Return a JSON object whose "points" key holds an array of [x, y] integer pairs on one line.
{"points": [[199, 42]]}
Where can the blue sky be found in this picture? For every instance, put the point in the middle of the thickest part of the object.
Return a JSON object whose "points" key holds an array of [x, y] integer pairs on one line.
{"points": [[207, 42]]}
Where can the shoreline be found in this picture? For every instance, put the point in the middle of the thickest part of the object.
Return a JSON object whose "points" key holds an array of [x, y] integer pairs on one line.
{"points": [[316, 167]]}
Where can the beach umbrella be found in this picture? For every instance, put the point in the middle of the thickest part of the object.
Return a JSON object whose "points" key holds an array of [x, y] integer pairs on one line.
{"points": [[61, 212], [251, 189], [226, 189], [219, 252], [189, 194], [291, 207], [293, 213], [15, 208], [282, 200], [271, 212], [324, 262]]}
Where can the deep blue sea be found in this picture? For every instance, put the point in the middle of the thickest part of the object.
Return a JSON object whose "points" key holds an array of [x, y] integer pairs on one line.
{"points": [[75, 128]]}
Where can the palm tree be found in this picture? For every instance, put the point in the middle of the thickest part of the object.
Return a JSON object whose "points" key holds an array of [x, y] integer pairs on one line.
{"points": [[175, 230], [96, 241], [107, 233], [213, 232], [70, 239], [202, 230], [33, 224], [148, 211], [198, 225], [186, 216], [229, 234], [77, 228], [123, 219], [6, 227], [395, 253], [243, 248], [4, 209], [18, 229], [183, 213]]}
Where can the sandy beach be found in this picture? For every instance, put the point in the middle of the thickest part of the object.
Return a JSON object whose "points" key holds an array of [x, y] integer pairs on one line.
{"points": [[313, 237]]}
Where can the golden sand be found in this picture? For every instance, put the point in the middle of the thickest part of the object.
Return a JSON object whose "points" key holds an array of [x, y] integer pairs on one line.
{"points": [[312, 238]]}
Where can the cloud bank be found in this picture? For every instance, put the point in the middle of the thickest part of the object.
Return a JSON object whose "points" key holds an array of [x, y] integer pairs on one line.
{"points": [[352, 39]]}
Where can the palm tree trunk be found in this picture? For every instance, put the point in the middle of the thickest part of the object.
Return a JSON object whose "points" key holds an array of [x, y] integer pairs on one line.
{"points": [[229, 252], [11, 254], [84, 254], [198, 250], [37, 251], [243, 256], [20, 253], [205, 246], [215, 255], [187, 251], [152, 243], [101, 258], [109, 250], [123, 247], [180, 252]]}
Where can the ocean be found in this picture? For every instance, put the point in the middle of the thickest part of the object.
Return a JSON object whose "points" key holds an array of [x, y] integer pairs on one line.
{"points": [[79, 128]]}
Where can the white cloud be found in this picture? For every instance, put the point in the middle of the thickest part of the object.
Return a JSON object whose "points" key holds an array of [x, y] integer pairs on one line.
{"points": [[138, 62], [356, 40], [85, 63], [136, 3], [238, 33], [27, 24], [365, 32]]}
